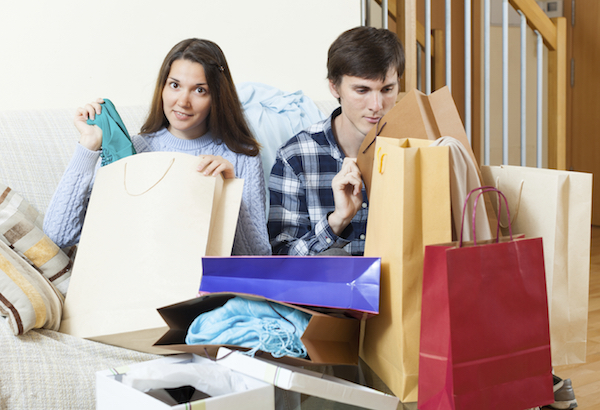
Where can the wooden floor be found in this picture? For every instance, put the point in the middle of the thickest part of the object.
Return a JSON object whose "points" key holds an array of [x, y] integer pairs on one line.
{"points": [[586, 376]]}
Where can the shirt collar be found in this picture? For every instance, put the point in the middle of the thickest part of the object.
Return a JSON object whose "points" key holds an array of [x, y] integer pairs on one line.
{"points": [[336, 151]]}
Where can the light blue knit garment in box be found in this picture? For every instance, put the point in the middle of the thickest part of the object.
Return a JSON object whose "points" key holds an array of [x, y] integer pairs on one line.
{"points": [[259, 325]]}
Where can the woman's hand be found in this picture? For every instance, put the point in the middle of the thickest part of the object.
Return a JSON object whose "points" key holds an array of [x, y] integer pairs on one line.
{"points": [[91, 135], [213, 165]]}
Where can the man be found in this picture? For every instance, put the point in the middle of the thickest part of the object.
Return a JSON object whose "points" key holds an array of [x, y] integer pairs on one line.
{"points": [[318, 203]]}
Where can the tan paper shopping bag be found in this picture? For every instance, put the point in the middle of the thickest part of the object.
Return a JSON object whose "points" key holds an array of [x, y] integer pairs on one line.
{"points": [[557, 206], [150, 219], [409, 209]]}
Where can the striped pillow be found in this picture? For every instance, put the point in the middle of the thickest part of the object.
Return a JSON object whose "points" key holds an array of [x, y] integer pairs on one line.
{"points": [[21, 230], [27, 298]]}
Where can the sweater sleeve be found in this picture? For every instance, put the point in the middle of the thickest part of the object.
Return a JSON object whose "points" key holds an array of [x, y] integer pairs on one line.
{"points": [[251, 237], [64, 218]]}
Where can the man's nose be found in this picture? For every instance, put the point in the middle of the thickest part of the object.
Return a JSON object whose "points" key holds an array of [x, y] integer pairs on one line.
{"points": [[376, 103]]}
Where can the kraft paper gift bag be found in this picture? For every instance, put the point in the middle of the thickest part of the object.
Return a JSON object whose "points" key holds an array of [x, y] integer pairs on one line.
{"points": [[416, 115], [485, 341], [150, 219], [409, 208], [341, 284], [556, 206], [421, 116]]}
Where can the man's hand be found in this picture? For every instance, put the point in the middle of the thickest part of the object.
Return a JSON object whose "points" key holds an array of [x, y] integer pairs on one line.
{"points": [[347, 195]]}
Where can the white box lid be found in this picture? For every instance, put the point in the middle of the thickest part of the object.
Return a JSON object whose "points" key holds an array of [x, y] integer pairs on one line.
{"points": [[112, 394], [306, 382]]}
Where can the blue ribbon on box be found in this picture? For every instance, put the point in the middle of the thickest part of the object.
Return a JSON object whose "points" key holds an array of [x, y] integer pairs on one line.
{"points": [[338, 282]]}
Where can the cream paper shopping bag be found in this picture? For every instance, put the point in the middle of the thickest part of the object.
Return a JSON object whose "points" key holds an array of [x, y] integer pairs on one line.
{"points": [[409, 208], [150, 219], [557, 206]]}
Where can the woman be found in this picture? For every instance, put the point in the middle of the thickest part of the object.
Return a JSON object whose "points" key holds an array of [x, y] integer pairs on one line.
{"points": [[195, 109]]}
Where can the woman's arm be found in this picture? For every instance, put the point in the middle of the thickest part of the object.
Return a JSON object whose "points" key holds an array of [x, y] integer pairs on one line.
{"points": [[64, 218], [251, 237]]}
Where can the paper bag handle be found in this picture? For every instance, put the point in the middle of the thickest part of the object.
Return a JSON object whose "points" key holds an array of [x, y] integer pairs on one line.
{"points": [[518, 203], [152, 186], [482, 190], [380, 157]]}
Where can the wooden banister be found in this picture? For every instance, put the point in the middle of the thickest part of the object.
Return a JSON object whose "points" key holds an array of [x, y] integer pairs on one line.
{"points": [[406, 29], [557, 98], [537, 20], [553, 32], [554, 35]]}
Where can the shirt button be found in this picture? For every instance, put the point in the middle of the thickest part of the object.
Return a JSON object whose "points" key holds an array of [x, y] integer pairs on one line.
{"points": [[362, 236], [328, 240], [364, 204]]}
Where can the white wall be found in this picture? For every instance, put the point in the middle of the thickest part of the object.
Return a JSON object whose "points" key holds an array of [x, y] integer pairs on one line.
{"points": [[64, 53]]}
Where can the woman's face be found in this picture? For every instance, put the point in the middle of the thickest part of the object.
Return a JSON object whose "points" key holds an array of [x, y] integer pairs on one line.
{"points": [[186, 100]]}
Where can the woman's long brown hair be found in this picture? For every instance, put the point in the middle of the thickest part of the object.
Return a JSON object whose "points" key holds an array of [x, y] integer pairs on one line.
{"points": [[226, 120]]}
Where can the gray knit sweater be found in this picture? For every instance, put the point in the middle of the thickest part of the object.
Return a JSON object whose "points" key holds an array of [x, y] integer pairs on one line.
{"points": [[64, 218]]}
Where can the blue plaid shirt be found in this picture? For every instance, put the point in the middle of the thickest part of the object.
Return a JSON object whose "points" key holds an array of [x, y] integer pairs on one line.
{"points": [[301, 196]]}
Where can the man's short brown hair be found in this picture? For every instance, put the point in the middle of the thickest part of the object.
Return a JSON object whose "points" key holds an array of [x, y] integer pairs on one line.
{"points": [[365, 52]]}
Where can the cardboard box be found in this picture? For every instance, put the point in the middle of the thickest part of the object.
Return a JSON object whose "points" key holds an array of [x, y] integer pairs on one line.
{"points": [[307, 382], [327, 339], [112, 394]]}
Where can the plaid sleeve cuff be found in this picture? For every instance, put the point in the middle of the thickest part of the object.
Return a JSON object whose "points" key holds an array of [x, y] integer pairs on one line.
{"points": [[327, 239]]}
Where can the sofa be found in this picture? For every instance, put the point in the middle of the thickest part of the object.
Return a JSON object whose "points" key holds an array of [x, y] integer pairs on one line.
{"points": [[45, 369]]}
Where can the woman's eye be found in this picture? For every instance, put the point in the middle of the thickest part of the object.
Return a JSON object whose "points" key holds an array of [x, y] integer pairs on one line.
{"points": [[174, 85], [200, 90]]}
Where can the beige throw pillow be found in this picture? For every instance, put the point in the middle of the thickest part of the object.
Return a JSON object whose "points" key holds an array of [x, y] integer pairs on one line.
{"points": [[21, 230], [27, 298]]}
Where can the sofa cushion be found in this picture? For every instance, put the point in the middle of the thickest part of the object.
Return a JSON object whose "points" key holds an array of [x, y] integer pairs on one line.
{"points": [[27, 298], [21, 230]]}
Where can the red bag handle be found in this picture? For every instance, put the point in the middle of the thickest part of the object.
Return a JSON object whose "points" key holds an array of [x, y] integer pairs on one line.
{"points": [[482, 190]]}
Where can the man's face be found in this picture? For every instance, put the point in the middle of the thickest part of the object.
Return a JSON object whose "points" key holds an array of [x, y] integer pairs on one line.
{"points": [[364, 101]]}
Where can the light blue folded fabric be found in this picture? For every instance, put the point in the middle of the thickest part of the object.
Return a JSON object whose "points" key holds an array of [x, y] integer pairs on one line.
{"points": [[116, 142], [259, 325]]}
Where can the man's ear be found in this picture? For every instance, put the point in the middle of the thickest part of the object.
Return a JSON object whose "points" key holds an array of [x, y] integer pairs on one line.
{"points": [[333, 90]]}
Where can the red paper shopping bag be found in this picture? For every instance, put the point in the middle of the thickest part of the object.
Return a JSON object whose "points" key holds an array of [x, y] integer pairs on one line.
{"points": [[485, 341]]}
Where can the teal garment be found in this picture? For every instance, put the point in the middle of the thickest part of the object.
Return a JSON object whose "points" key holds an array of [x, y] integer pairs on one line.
{"points": [[116, 143], [259, 325]]}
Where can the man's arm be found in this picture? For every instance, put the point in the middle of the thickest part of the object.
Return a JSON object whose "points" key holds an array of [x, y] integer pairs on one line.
{"points": [[292, 228]]}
